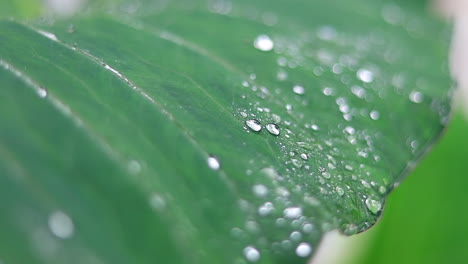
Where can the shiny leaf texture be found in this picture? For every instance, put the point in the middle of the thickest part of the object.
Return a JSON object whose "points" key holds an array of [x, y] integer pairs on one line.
{"points": [[211, 132]]}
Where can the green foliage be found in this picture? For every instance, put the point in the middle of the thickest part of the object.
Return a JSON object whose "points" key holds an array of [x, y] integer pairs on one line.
{"points": [[125, 135]]}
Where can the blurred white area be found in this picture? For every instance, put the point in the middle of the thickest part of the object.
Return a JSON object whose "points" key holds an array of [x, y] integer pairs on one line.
{"points": [[336, 248], [457, 11], [63, 7]]}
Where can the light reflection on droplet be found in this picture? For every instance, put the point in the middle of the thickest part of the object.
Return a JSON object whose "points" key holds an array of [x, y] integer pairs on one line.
{"points": [[373, 205], [374, 115], [264, 43], [213, 163], [251, 254], [61, 225]]}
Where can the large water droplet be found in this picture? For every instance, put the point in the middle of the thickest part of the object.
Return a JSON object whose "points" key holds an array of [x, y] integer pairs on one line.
{"points": [[260, 190], [274, 129], [303, 250], [254, 124], [251, 254], [373, 205], [264, 43], [213, 163], [61, 225]]}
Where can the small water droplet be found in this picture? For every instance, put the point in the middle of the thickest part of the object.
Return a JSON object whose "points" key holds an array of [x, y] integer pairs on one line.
{"points": [[307, 228], [374, 115], [292, 212], [264, 43], [274, 129], [365, 75], [373, 205], [298, 89], [251, 254], [134, 167], [157, 202], [281, 75], [213, 163], [42, 92], [303, 250], [265, 209], [328, 91], [295, 236], [326, 33], [339, 191], [260, 190], [61, 225], [304, 156], [254, 124], [416, 97]]}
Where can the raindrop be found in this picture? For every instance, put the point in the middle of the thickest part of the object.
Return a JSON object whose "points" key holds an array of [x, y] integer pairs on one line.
{"points": [[254, 124], [274, 129], [416, 97], [292, 212], [61, 225], [304, 156], [365, 75], [298, 89], [251, 254], [373, 205], [264, 43], [303, 250], [213, 163]]}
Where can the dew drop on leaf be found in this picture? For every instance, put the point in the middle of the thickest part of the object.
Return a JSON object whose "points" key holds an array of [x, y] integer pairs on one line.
{"points": [[416, 97], [303, 250], [264, 43], [365, 75], [254, 125], [373, 205], [42, 92], [298, 89], [273, 129], [213, 163], [251, 254], [61, 225]]}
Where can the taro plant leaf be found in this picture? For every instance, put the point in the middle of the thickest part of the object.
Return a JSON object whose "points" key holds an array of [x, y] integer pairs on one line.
{"points": [[211, 132]]}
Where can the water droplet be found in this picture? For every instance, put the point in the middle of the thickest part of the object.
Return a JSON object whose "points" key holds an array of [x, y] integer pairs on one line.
{"points": [[295, 236], [307, 228], [61, 225], [339, 191], [264, 43], [365, 75], [274, 129], [260, 190], [254, 124], [303, 250], [292, 212], [251, 254], [157, 202], [265, 209], [327, 91], [298, 89], [304, 156], [326, 33], [42, 92], [134, 167], [281, 75], [374, 115], [416, 97], [213, 163], [373, 205], [48, 35]]}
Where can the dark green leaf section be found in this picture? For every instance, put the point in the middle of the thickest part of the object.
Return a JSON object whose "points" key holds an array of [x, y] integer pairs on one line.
{"points": [[113, 122]]}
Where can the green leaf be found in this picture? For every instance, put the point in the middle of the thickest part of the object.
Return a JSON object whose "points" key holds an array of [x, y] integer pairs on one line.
{"points": [[125, 135]]}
